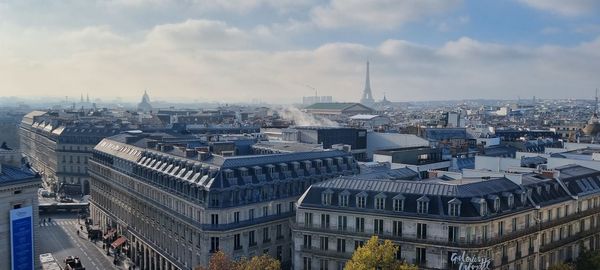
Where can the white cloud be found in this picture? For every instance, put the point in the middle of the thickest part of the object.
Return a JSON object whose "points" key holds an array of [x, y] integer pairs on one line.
{"points": [[564, 7], [212, 60], [378, 14]]}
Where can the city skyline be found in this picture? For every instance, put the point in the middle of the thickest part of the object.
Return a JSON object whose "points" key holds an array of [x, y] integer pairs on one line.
{"points": [[235, 51]]}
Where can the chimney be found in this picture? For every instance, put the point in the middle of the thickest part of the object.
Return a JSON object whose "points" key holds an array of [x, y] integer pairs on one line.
{"points": [[151, 144], [202, 156], [548, 173], [190, 153], [166, 147]]}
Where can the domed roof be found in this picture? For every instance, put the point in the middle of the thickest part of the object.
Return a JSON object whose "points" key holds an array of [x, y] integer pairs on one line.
{"points": [[593, 126]]}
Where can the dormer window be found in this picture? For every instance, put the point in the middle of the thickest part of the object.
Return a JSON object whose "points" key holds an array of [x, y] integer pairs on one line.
{"points": [[318, 163], [343, 198], [547, 188], [326, 197], [510, 199], [398, 203], [295, 165], [229, 173], [481, 204], [454, 207], [283, 167], [307, 165], [556, 186], [257, 170], [243, 172], [270, 169], [361, 200], [523, 198], [380, 201], [423, 205]]}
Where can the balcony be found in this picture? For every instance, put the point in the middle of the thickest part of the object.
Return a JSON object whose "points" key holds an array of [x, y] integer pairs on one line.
{"points": [[578, 236]]}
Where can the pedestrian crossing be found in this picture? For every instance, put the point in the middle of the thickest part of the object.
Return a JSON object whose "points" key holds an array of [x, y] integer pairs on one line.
{"points": [[59, 223]]}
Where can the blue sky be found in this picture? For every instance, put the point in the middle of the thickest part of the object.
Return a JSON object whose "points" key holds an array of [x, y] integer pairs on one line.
{"points": [[239, 50]]}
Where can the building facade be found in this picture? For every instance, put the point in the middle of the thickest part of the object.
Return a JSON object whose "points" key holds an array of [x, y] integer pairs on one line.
{"points": [[527, 223], [176, 205], [18, 189], [59, 149]]}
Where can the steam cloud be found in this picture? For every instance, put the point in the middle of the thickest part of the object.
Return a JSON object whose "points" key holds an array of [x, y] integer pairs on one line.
{"points": [[301, 118]]}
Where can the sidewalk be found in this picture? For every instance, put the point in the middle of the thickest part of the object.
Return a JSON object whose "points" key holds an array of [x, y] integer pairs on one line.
{"points": [[124, 262]]}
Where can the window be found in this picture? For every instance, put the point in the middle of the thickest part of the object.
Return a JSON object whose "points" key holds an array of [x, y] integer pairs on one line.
{"points": [[325, 221], [360, 224], [496, 204], [306, 263], [527, 220], [266, 236], [397, 228], [421, 257], [279, 231], [251, 239], [251, 214], [380, 201], [308, 219], [378, 226], [344, 199], [484, 232], [214, 219], [326, 197], [454, 208], [237, 244], [214, 244], [278, 209], [423, 205], [265, 211], [398, 203], [341, 245], [549, 214], [567, 210], [236, 217], [358, 244], [399, 253], [514, 224], [342, 223], [307, 241], [483, 209], [558, 212], [323, 264], [500, 228], [361, 200], [324, 242], [421, 231], [452, 234]]}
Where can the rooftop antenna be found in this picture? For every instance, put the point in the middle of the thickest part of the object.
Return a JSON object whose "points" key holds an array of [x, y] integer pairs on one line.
{"points": [[596, 104]]}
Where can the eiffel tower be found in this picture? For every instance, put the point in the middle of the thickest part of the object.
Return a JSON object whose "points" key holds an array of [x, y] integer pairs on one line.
{"points": [[367, 97]]}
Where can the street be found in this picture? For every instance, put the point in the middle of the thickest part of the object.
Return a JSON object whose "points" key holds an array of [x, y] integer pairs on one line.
{"points": [[60, 238]]}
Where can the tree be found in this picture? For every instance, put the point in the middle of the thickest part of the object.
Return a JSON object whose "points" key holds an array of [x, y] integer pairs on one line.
{"points": [[376, 255], [218, 261], [263, 262], [588, 260], [561, 266]]}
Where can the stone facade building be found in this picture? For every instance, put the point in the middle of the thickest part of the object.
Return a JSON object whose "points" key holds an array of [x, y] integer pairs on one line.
{"points": [[527, 222], [177, 204]]}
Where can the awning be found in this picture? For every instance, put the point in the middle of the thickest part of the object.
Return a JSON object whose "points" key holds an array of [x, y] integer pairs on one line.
{"points": [[110, 233], [117, 243]]}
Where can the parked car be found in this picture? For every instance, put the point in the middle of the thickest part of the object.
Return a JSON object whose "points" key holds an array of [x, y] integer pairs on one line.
{"points": [[73, 263]]}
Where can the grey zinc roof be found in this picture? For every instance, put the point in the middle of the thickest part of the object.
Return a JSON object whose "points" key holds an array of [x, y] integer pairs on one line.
{"points": [[429, 187], [248, 161]]}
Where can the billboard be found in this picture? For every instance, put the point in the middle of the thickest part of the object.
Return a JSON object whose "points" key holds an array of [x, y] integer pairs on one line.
{"points": [[21, 238]]}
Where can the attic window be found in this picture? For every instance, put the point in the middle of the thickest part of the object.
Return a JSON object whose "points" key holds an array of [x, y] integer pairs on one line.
{"points": [[361, 200], [398, 203], [511, 201], [343, 199], [497, 204], [326, 197], [454, 207], [556, 186], [483, 208], [423, 205], [380, 201], [523, 198], [538, 190]]}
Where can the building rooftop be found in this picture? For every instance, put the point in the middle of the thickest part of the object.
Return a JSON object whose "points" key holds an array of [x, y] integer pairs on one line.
{"points": [[11, 175]]}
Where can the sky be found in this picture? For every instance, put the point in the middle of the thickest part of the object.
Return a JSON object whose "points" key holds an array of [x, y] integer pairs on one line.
{"points": [[280, 50]]}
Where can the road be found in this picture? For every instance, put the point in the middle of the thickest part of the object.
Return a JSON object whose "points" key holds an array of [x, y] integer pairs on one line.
{"points": [[60, 238]]}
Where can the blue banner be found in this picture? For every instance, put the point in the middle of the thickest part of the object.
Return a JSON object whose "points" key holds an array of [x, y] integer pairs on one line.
{"points": [[21, 238]]}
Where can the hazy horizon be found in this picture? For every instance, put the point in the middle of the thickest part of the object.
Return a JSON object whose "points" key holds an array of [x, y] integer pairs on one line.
{"points": [[236, 51]]}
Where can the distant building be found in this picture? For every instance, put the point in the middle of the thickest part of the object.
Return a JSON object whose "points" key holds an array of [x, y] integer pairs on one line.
{"points": [[59, 148], [337, 110], [18, 192], [310, 100], [329, 137], [144, 105], [370, 121]]}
